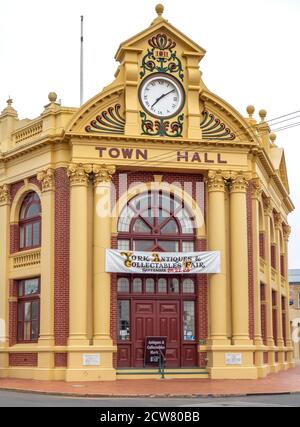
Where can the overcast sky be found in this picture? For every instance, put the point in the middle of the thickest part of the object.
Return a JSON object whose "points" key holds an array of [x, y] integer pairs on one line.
{"points": [[252, 57]]}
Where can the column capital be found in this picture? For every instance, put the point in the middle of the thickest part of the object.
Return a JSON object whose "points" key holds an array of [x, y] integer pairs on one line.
{"points": [[47, 179], [256, 188], [239, 181], [103, 173], [4, 195], [278, 221], [268, 206], [216, 180], [79, 173], [286, 231]]}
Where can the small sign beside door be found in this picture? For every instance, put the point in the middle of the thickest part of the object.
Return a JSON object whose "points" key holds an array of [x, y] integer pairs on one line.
{"points": [[91, 359], [155, 348], [233, 359]]}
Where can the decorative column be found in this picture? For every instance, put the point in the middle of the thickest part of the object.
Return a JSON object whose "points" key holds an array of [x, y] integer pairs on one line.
{"points": [[217, 242], [239, 258], [46, 339], [79, 178], [102, 241], [268, 212], [280, 342], [289, 343], [4, 283], [256, 195]]}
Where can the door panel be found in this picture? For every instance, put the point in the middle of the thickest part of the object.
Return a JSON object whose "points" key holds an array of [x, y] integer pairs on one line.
{"points": [[144, 317], [169, 326]]}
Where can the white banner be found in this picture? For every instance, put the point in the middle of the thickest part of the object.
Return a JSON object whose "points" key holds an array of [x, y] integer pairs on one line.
{"points": [[162, 262]]}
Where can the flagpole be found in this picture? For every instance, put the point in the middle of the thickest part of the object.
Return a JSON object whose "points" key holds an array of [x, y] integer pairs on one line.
{"points": [[81, 62]]}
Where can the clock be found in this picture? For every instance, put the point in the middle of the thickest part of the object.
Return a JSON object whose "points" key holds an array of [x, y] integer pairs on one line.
{"points": [[161, 95]]}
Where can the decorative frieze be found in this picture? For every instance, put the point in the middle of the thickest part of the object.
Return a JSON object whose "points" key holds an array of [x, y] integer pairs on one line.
{"points": [[79, 173], [103, 173], [4, 195], [47, 179]]}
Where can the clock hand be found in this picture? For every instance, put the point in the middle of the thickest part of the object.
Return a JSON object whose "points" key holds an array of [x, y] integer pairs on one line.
{"points": [[161, 97]]}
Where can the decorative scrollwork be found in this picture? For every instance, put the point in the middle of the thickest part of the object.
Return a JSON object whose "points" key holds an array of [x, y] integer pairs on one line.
{"points": [[162, 127], [108, 122], [161, 57], [213, 128]]}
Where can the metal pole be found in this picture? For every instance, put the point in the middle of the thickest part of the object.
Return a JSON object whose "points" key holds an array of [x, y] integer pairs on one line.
{"points": [[81, 62]]}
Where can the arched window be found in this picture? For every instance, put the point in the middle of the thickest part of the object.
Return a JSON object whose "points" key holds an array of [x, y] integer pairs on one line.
{"points": [[156, 221], [30, 222]]}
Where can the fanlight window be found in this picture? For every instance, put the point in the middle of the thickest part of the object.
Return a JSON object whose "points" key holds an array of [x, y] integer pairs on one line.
{"points": [[156, 221], [30, 222]]}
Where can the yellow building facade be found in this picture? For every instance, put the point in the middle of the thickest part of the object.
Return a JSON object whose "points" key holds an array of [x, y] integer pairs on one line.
{"points": [[77, 181]]}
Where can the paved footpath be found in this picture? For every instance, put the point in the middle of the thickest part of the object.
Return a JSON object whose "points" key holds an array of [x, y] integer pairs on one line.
{"points": [[280, 383]]}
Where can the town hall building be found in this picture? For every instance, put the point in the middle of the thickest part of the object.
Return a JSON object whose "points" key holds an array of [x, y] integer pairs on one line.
{"points": [[154, 164]]}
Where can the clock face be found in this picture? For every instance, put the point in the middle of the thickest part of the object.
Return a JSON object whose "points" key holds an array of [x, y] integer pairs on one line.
{"points": [[162, 96]]}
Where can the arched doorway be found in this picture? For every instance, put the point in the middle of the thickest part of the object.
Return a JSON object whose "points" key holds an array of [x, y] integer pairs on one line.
{"points": [[158, 305]]}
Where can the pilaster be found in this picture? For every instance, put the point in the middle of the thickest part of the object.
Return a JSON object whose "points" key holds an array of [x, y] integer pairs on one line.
{"points": [[256, 197], [4, 283], [268, 212], [46, 338], [79, 178], [239, 258], [216, 186], [102, 241]]}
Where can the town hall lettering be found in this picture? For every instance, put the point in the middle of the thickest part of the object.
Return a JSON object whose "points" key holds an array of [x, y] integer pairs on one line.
{"points": [[143, 154]]}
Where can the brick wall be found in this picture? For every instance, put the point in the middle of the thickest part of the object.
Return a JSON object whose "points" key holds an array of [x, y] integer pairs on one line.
{"points": [[201, 305], [122, 183], [13, 313], [263, 313], [23, 359], [274, 316], [62, 256], [273, 256], [61, 360], [14, 228], [113, 305], [262, 245]]}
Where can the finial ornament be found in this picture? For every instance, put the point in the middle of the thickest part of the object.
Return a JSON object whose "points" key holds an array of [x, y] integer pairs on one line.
{"points": [[273, 138], [250, 111], [263, 115], [159, 9], [9, 101], [52, 97]]}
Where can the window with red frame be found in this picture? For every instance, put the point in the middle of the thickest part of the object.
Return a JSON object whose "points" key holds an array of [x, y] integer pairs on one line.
{"points": [[30, 222], [28, 310]]}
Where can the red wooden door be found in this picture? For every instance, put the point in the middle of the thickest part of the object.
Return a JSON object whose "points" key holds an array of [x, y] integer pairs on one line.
{"points": [[168, 313], [156, 318], [144, 317]]}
